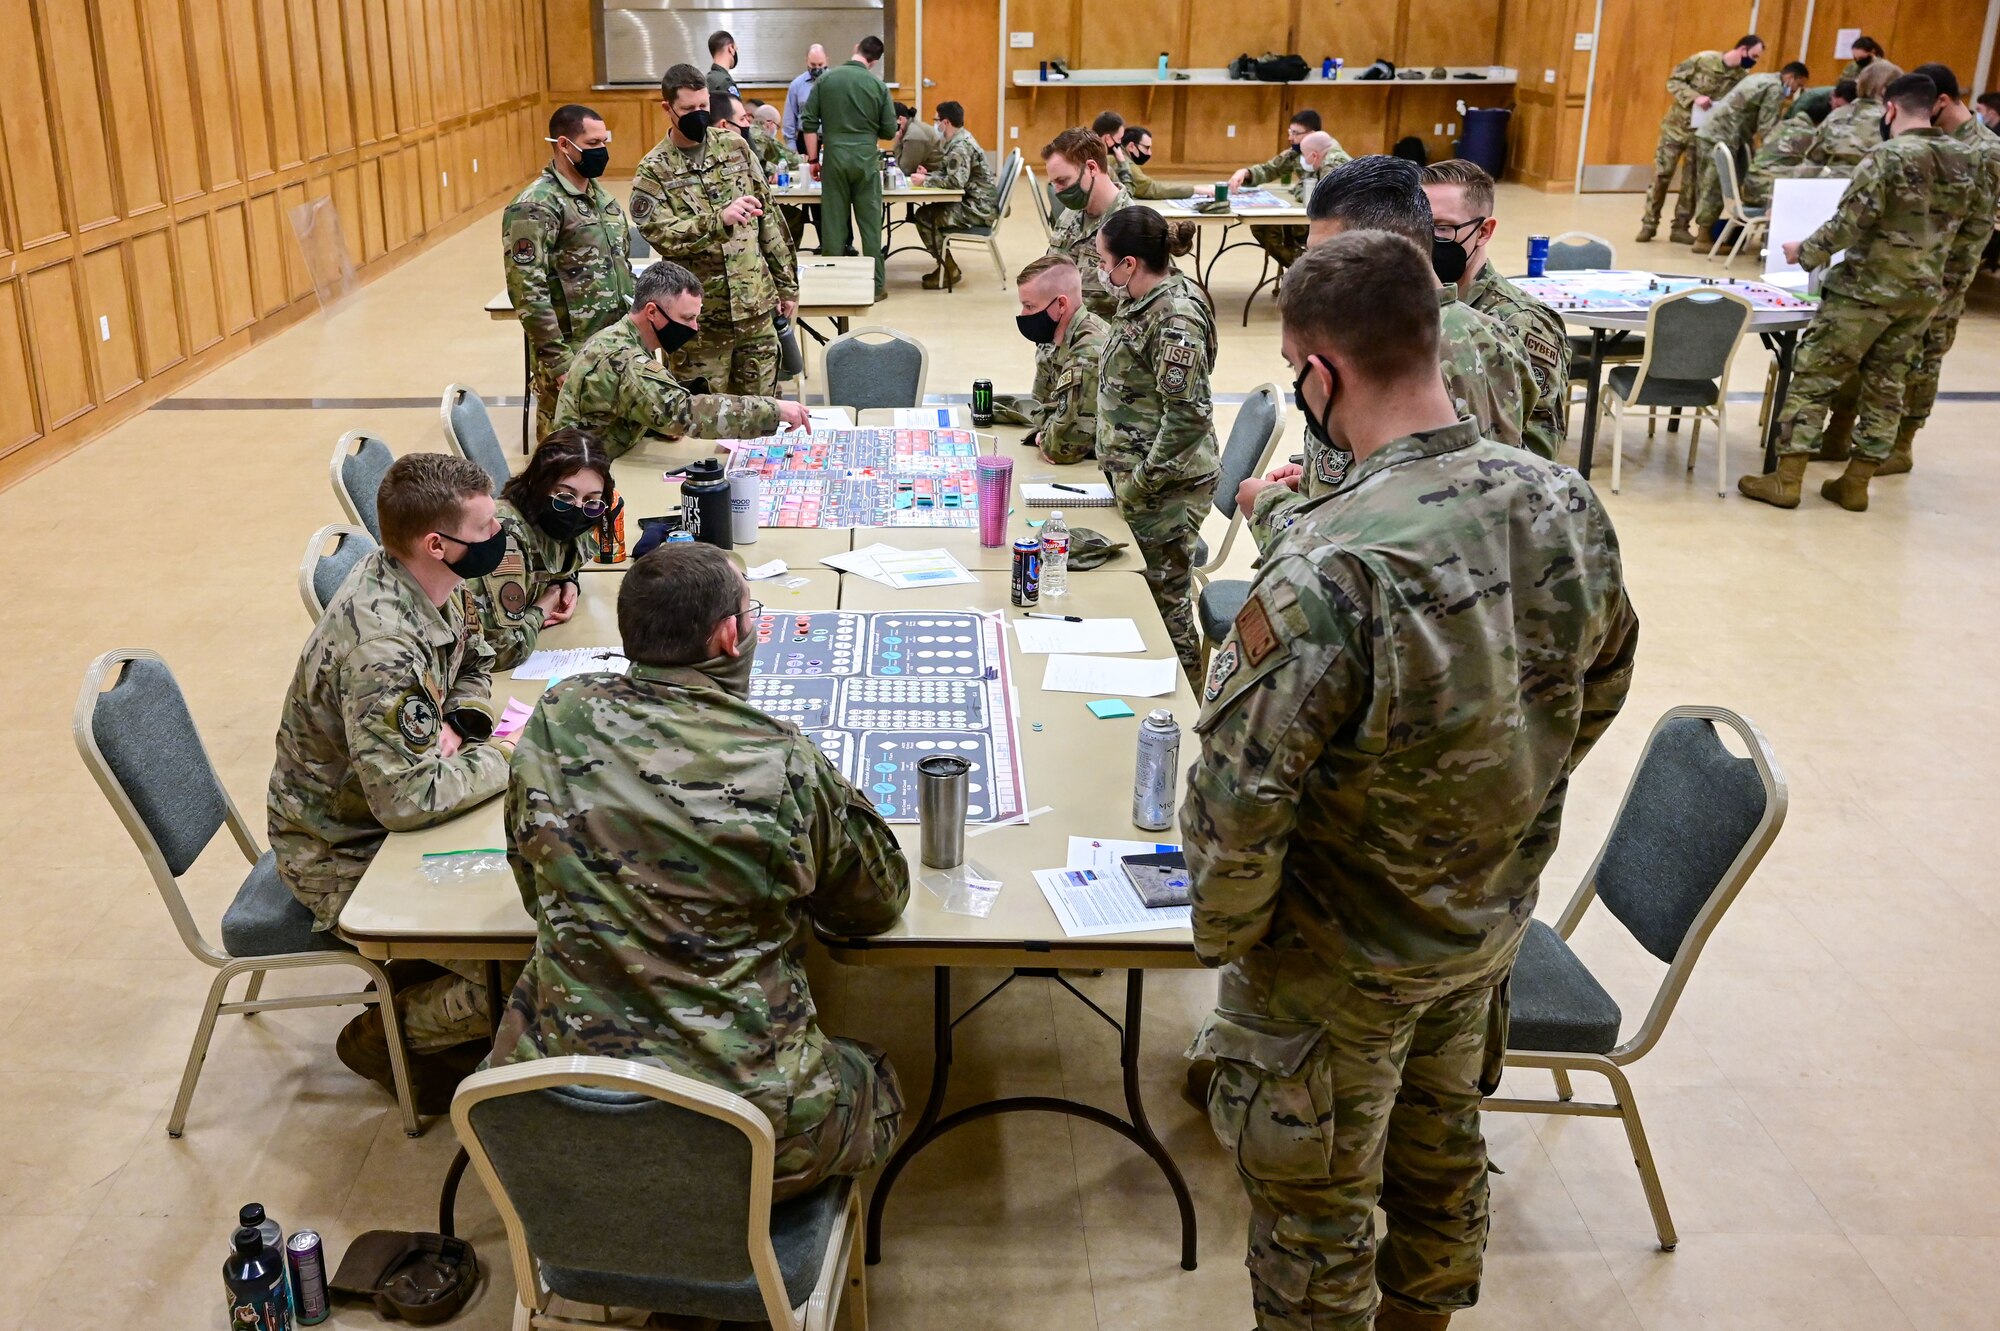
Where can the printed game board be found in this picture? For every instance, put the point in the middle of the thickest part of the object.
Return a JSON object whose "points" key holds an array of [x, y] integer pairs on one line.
{"points": [[1633, 292], [1238, 198], [863, 478], [878, 692]]}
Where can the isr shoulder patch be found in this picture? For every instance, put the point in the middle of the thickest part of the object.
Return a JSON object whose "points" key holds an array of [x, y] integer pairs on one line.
{"points": [[1254, 631]]}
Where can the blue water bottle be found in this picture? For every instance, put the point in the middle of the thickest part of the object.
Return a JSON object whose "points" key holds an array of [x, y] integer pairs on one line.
{"points": [[1538, 255], [1163, 65], [1326, 68]]}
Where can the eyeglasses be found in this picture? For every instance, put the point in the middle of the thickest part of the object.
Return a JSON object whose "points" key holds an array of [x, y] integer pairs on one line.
{"points": [[562, 501], [1456, 232], [755, 610]]}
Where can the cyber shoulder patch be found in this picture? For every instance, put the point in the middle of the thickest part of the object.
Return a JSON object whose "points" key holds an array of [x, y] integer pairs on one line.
{"points": [[417, 718], [1253, 630], [1226, 661], [1540, 346]]}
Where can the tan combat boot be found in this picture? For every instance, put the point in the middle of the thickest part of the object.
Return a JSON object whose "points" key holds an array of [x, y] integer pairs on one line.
{"points": [[1850, 488], [1395, 1317], [1645, 232], [953, 274], [1900, 459], [1838, 441], [1680, 235], [934, 279], [1781, 487]]}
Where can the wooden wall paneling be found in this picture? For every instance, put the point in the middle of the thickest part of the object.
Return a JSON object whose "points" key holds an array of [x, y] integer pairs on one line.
{"points": [[298, 280], [307, 80], [1947, 31], [347, 202], [123, 68], [449, 68], [1450, 32], [1256, 111], [35, 190], [400, 79], [572, 59], [267, 253], [200, 290], [156, 302], [281, 97], [168, 60], [234, 269], [109, 327], [355, 38], [19, 425], [430, 191], [215, 92], [335, 81], [373, 201], [1358, 31], [55, 340], [246, 72], [1131, 34], [418, 55], [70, 58]]}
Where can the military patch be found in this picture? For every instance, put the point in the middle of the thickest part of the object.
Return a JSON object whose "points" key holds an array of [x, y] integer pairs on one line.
{"points": [[524, 252], [642, 206], [1330, 465], [1220, 669], [1540, 374], [1541, 348], [1253, 629], [417, 719], [513, 598], [1176, 361], [511, 564]]}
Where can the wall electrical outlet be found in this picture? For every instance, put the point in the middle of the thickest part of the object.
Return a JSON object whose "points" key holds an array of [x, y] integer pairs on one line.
{"points": [[1232, 131], [1585, 40], [447, 178], [103, 328], [1548, 76], [1437, 130], [475, 166], [1013, 131], [1020, 40], [1452, 128]]}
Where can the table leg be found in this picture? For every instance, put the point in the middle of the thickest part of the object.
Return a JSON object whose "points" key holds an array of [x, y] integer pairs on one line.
{"points": [[448, 1194], [527, 396], [1592, 384], [1135, 1130], [1784, 345]]}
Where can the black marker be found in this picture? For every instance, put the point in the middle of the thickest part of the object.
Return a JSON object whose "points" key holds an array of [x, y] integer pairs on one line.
{"points": [[1061, 619], [1073, 489]]}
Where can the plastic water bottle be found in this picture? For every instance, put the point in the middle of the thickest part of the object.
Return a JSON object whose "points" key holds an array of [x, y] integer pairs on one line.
{"points": [[1055, 556]]}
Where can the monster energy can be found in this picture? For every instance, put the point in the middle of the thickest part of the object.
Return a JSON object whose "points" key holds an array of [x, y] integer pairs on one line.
{"points": [[982, 402], [1153, 778]]}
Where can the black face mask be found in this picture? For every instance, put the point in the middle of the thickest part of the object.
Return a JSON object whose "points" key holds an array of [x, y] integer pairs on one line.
{"points": [[1039, 327], [1749, 62], [1448, 260], [480, 557], [1863, 61], [565, 522], [1887, 133], [813, 74], [674, 335], [591, 162], [1316, 426], [1137, 158], [693, 125]]}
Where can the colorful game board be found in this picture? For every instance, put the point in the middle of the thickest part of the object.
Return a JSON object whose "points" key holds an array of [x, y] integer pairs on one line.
{"points": [[880, 691], [1238, 198], [863, 478], [1632, 292]]}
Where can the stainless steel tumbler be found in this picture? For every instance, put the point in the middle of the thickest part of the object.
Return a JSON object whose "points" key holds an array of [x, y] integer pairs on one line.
{"points": [[941, 796]]}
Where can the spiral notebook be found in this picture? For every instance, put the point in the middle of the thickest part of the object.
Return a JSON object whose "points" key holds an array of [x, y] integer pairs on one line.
{"points": [[1068, 496]]}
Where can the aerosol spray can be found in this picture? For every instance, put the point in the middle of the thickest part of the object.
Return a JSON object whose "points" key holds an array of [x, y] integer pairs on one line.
{"points": [[1153, 777]]}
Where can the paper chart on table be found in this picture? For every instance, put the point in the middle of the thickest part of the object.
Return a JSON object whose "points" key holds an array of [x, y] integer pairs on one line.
{"points": [[1043, 636], [554, 663], [1091, 895], [902, 569], [1110, 674]]}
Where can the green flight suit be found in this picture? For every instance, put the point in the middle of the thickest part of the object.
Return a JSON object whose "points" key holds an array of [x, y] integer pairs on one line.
{"points": [[850, 110]]}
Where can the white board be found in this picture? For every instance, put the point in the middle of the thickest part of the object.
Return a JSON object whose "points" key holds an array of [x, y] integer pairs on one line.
{"points": [[1798, 207], [1843, 45]]}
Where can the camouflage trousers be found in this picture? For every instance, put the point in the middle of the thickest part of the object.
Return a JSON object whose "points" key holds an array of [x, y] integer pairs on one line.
{"points": [[1333, 1100], [933, 221], [733, 357], [448, 1011], [859, 1130], [1165, 527], [1283, 243], [1678, 149], [1849, 338], [1920, 385], [545, 384]]}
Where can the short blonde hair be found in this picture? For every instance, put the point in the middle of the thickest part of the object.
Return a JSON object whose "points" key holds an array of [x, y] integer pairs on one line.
{"points": [[423, 492], [1468, 176], [1875, 80]]}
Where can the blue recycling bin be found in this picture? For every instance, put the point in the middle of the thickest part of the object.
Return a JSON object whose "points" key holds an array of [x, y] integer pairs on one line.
{"points": [[1485, 140]]}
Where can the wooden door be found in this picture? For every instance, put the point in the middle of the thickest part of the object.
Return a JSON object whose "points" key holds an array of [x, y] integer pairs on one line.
{"points": [[961, 63]]}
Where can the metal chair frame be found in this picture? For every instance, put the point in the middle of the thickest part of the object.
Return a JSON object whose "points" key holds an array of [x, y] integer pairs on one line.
{"points": [[1614, 405], [316, 553], [1010, 171], [1737, 220]]}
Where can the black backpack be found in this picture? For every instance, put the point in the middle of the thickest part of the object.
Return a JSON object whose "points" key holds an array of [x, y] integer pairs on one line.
{"points": [[1281, 68], [1411, 149]]}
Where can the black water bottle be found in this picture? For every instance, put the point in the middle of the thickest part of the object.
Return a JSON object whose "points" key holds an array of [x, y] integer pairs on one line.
{"points": [[254, 1280]]}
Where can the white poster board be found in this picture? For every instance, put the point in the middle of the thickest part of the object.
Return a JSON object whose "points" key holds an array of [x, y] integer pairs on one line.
{"points": [[1798, 207], [1843, 45]]}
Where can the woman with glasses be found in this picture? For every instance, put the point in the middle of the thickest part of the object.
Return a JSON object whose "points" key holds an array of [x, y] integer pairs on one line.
{"points": [[550, 512]]}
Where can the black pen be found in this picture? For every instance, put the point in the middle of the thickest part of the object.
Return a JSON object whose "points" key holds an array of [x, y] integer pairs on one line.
{"points": [[1060, 619], [1073, 489]]}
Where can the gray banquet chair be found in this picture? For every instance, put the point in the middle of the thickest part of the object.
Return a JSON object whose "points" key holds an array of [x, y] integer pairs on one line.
{"points": [[989, 236], [1741, 220], [468, 432], [875, 367], [1695, 822], [360, 461], [323, 570], [1576, 251], [622, 1184], [1691, 340], [140, 743], [1253, 439]]}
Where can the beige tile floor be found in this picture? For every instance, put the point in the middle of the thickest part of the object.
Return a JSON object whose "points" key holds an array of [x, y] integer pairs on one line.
{"points": [[1820, 1108]]}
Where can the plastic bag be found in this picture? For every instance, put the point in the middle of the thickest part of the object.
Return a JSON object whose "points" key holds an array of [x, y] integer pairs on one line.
{"points": [[458, 866]]}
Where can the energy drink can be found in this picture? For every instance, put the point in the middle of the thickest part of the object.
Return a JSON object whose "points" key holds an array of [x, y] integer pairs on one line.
{"points": [[982, 402], [1538, 255], [1027, 581], [305, 1260], [1153, 777], [611, 534]]}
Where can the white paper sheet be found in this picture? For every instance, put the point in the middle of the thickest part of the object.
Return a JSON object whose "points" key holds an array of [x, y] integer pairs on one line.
{"points": [[1112, 675], [1091, 895], [758, 572], [902, 569], [1698, 115], [924, 418], [1843, 47], [830, 418], [1092, 635], [1798, 207], [553, 663]]}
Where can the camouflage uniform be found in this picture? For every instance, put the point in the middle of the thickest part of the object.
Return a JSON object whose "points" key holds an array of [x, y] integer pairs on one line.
{"points": [[964, 168], [1920, 387], [1156, 441], [677, 203], [1902, 223], [1062, 411], [773, 155], [504, 600], [675, 846], [1076, 236], [1706, 74], [1845, 137], [1782, 156], [1745, 115], [1545, 343], [1489, 378], [1286, 243], [1142, 186], [569, 273], [621, 394], [358, 759], [1386, 742]]}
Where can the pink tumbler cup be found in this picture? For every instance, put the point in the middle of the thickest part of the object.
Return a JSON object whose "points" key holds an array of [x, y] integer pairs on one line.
{"points": [[996, 476]]}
